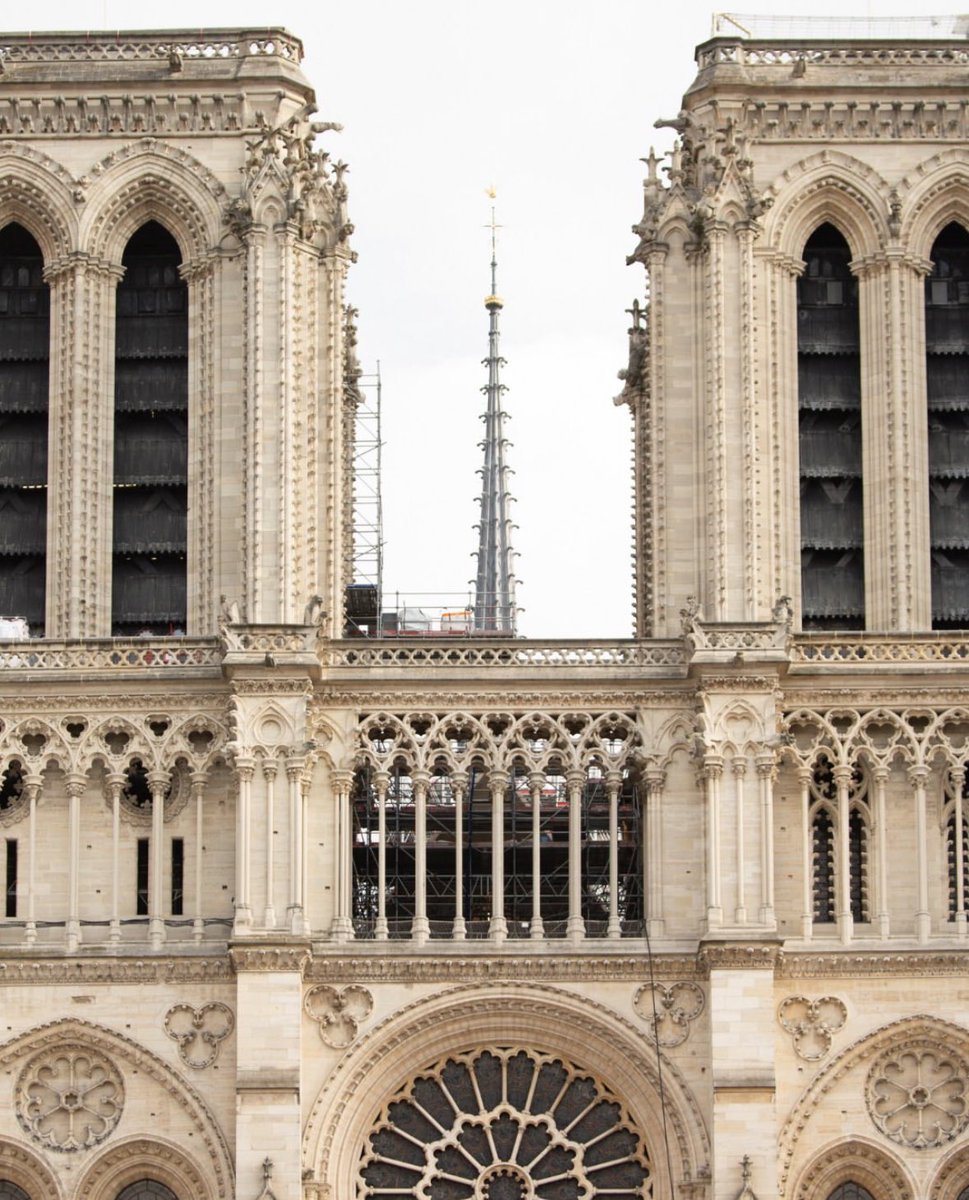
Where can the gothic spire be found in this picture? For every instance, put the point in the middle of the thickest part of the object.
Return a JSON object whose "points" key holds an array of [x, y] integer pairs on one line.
{"points": [[494, 594]]}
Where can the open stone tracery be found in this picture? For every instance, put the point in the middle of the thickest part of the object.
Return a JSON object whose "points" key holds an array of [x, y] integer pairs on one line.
{"points": [[504, 1124]]}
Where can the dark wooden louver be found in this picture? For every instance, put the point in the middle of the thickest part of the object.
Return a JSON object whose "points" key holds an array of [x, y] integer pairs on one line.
{"points": [[947, 382], [829, 435], [24, 357], [150, 438]]}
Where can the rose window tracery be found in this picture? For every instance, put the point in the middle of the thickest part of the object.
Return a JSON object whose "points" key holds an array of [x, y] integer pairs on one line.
{"points": [[917, 1095], [69, 1099], [504, 1124]]}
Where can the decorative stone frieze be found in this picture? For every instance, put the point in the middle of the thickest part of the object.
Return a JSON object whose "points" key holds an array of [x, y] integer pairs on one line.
{"points": [[70, 1098], [743, 956], [669, 1009], [338, 1012], [30, 971], [199, 1032], [269, 958], [811, 1023]]}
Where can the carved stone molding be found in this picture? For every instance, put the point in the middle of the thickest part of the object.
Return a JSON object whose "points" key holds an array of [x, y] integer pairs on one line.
{"points": [[811, 1024], [30, 971], [69, 1098], [199, 1032], [270, 958], [744, 956], [338, 1012], [909, 963], [405, 969], [916, 1094], [669, 1010]]}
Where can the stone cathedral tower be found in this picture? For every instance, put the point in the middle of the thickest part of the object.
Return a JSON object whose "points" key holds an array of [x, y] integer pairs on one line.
{"points": [[296, 916]]}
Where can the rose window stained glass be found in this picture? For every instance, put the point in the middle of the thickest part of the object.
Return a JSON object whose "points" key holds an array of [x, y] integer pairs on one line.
{"points": [[504, 1124]]}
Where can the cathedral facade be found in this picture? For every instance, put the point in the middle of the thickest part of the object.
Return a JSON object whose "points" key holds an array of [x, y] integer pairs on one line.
{"points": [[295, 915]]}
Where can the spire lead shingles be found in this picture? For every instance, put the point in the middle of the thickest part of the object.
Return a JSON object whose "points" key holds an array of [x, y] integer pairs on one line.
{"points": [[494, 594]]}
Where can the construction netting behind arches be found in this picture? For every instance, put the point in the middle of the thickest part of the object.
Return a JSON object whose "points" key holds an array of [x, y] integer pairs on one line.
{"points": [[498, 826]]}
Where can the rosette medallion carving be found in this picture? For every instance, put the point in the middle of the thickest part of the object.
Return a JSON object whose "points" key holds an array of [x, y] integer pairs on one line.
{"points": [[69, 1099], [917, 1095]]}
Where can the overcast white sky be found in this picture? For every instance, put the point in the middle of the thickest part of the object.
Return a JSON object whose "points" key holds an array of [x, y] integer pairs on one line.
{"points": [[554, 103]]}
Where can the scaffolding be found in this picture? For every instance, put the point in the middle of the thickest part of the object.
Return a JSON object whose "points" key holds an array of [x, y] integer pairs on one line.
{"points": [[365, 591]]}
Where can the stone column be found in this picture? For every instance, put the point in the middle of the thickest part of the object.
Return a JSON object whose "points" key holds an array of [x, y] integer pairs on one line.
{"points": [[807, 849], [294, 781], [245, 769], [33, 783], [842, 780], [879, 779], [420, 928], [923, 920], [76, 787], [613, 784], [766, 774], [199, 780], [459, 784], [575, 782], [653, 858], [116, 782], [738, 768], [159, 784], [711, 774], [536, 784], [269, 770], [342, 782], [497, 785]]}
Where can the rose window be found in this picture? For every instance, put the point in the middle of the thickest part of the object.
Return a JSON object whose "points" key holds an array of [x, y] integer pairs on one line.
{"points": [[70, 1099], [504, 1124], [917, 1095]]}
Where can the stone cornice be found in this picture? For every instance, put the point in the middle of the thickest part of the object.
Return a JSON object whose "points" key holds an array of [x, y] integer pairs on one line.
{"points": [[873, 964], [31, 969], [275, 956], [505, 967]]}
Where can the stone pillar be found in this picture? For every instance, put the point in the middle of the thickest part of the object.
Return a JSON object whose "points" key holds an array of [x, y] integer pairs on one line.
{"points": [[198, 792], [159, 784], [958, 777], [294, 781], [76, 787], [742, 1047], [245, 769], [653, 858], [842, 858], [613, 784], [575, 782], [420, 928], [766, 774], [269, 771], [879, 777], [459, 784], [738, 768], [711, 774], [33, 783], [342, 782], [269, 1013], [116, 782], [923, 919], [81, 448], [498, 785], [381, 782]]}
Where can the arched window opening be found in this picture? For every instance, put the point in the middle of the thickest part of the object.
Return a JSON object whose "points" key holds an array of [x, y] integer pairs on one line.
{"points": [[10, 1191], [822, 858], [957, 843], [947, 384], [858, 866], [146, 1189], [829, 435], [24, 361], [850, 1191], [150, 439], [459, 854]]}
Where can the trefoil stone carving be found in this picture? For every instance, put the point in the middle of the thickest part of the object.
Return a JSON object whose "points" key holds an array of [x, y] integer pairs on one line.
{"points": [[338, 1012], [69, 1099], [669, 1009], [199, 1032], [811, 1024]]}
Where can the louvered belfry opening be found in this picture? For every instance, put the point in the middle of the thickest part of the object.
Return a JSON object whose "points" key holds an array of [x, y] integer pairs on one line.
{"points": [[24, 359], [829, 426], [150, 439], [947, 380]]}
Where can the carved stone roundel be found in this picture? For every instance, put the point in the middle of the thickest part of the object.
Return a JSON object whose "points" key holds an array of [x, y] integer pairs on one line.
{"points": [[69, 1099], [917, 1095], [504, 1124]]}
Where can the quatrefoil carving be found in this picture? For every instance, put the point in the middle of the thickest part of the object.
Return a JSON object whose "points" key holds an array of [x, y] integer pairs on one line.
{"points": [[338, 1012], [669, 1010], [811, 1023], [199, 1032]]}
